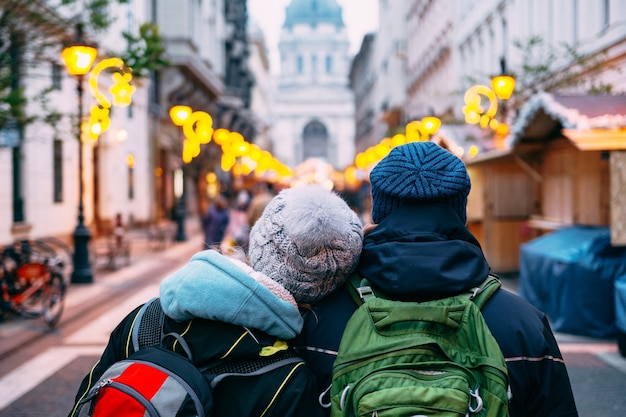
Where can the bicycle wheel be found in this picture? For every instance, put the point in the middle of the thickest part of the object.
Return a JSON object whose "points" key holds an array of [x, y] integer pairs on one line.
{"points": [[33, 306], [55, 300]]}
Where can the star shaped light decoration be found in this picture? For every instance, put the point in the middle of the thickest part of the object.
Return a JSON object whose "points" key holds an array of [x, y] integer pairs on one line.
{"points": [[122, 90]]}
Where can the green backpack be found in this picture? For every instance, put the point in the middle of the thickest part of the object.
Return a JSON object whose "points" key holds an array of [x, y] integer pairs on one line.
{"points": [[435, 358]]}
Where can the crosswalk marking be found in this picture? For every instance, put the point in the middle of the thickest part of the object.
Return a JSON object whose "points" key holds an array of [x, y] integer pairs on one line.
{"points": [[98, 330], [31, 373], [89, 340]]}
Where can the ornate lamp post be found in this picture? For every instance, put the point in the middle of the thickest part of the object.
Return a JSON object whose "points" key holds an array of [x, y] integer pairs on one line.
{"points": [[502, 87], [180, 115], [78, 58]]}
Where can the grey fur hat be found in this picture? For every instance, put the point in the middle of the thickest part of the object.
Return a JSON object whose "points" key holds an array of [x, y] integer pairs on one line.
{"points": [[308, 240]]}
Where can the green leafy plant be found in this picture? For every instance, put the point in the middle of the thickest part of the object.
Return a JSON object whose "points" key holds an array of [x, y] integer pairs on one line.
{"points": [[546, 67], [31, 30], [145, 51]]}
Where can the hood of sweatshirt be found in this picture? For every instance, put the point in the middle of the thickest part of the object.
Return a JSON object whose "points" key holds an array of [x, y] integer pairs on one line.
{"points": [[212, 286], [422, 252]]}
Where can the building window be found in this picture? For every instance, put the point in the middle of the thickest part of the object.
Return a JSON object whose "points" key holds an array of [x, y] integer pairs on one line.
{"points": [[329, 64], [505, 38], [131, 183], [56, 76], [155, 89], [575, 21], [299, 64], [314, 64], [315, 140], [130, 162], [154, 11], [57, 168], [606, 14]]}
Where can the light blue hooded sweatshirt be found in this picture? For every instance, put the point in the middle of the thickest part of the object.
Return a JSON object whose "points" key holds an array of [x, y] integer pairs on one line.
{"points": [[212, 286]]}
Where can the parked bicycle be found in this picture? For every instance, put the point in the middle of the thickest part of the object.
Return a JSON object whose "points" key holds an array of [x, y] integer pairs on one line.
{"points": [[31, 281]]}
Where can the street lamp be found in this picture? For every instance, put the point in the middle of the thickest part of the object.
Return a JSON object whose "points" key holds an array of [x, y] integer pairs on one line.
{"points": [[78, 58], [503, 85], [431, 124], [180, 115]]}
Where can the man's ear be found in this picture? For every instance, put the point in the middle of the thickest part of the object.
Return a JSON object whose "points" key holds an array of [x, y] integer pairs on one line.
{"points": [[368, 228]]}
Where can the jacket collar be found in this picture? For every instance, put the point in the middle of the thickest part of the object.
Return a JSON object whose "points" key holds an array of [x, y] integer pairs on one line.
{"points": [[422, 251]]}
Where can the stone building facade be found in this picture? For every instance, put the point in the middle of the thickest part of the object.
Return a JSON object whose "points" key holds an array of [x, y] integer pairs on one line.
{"points": [[314, 105]]}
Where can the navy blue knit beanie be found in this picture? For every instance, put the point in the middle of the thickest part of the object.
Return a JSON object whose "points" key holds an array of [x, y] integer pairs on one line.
{"points": [[419, 172]]}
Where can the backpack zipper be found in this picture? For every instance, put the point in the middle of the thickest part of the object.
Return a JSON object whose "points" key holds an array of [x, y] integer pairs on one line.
{"points": [[131, 392], [362, 361], [426, 376]]}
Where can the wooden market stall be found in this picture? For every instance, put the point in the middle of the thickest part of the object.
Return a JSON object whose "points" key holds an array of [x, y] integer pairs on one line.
{"points": [[564, 163]]}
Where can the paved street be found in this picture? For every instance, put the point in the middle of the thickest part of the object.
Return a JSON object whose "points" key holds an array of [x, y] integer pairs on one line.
{"points": [[43, 382], [40, 370]]}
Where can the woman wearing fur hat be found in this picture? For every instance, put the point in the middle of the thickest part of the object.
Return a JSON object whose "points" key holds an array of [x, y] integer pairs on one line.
{"points": [[419, 250], [305, 244]]}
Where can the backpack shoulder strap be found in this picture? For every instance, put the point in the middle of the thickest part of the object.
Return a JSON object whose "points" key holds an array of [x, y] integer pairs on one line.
{"points": [[147, 327], [182, 342], [361, 289], [352, 285], [482, 293]]}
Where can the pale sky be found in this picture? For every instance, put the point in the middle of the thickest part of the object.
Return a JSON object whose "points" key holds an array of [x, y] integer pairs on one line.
{"points": [[359, 16]]}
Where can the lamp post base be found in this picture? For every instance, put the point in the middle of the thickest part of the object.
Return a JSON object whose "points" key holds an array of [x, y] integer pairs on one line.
{"points": [[181, 213], [82, 269]]}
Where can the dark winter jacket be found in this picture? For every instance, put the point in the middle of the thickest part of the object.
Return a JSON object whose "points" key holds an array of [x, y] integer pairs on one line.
{"points": [[214, 224], [424, 252]]}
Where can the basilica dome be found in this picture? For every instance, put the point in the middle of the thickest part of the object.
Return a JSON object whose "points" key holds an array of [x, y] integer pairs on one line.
{"points": [[312, 12]]}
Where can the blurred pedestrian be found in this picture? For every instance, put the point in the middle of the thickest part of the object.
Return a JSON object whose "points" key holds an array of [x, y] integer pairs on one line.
{"points": [[119, 230], [263, 194], [238, 230], [215, 221]]}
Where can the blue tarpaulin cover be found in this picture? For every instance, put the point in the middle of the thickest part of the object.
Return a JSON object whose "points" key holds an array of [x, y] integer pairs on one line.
{"points": [[570, 275], [620, 304]]}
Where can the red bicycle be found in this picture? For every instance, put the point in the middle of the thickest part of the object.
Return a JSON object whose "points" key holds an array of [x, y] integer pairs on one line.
{"points": [[31, 282]]}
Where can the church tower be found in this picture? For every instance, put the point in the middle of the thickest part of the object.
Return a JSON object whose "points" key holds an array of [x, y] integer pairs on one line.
{"points": [[314, 105]]}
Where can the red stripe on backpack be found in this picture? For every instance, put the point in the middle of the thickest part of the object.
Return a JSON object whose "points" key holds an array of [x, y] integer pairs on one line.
{"points": [[145, 379]]}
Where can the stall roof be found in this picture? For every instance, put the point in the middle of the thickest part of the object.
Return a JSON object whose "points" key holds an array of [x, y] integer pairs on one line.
{"points": [[591, 122]]}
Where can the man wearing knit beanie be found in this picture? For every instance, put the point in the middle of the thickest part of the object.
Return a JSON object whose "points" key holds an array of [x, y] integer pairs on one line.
{"points": [[424, 172], [419, 250]]}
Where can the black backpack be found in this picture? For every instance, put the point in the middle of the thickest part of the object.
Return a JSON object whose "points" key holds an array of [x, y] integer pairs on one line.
{"points": [[273, 381], [152, 381]]}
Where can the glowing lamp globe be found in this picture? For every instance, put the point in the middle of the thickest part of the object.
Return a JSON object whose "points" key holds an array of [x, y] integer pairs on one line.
{"points": [[179, 114], [431, 124], [79, 58], [503, 86]]}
